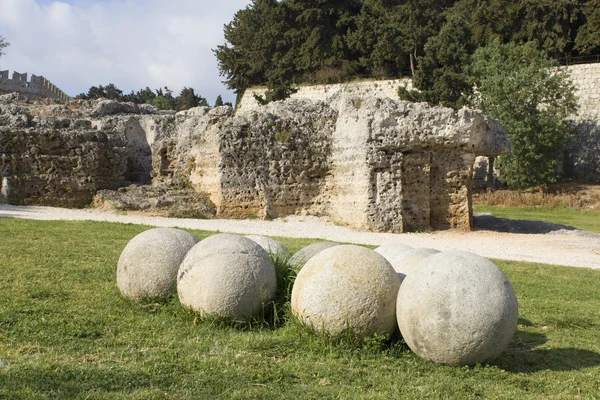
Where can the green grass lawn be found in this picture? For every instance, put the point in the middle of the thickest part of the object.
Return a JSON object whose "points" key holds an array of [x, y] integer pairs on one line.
{"points": [[588, 220], [66, 333]]}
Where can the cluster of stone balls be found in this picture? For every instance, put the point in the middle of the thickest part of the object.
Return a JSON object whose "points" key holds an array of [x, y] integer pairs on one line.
{"points": [[451, 307]]}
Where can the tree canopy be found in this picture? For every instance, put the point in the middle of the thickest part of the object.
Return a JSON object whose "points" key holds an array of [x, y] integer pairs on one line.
{"points": [[281, 44], [521, 86], [3, 44], [161, 98]]}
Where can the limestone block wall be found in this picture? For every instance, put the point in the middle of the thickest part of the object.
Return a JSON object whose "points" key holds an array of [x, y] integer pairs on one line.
{"points": [[38, 86], [329, 93], [584, 151]]}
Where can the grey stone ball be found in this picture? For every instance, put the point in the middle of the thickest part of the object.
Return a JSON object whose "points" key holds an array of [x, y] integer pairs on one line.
{"points": [[457, 308], [272, 246], [147, 267], [347, 288], [392, 251], [300, 258], [407, 260], [227, 275]]}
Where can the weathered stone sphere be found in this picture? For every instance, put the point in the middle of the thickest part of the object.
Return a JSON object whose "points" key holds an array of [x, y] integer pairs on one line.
{"points": [[392, 251], [457, 308], [347, 288], [300, 258], [147, 267], [272, 246], [227, 275], [407, 260]]}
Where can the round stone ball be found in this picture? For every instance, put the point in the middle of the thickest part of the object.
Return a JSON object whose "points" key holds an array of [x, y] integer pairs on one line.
{"points": [[392, 251], [407, 260], [300, 258], [457, 308], [147, 267], [272, 246], [227, 275], [349, 289]]}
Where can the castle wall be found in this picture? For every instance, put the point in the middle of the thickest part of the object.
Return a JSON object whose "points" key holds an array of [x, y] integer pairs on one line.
{"points": [[37, 86]]}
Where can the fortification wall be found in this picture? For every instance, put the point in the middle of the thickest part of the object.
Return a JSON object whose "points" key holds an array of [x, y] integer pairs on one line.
{"points": [[329, 93], [38, 85]]}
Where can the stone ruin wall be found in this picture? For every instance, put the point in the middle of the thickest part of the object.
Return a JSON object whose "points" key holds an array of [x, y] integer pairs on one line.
{"points": [[584, 152], [58, 162], [294, 157], [37, 86], [275, 164]]}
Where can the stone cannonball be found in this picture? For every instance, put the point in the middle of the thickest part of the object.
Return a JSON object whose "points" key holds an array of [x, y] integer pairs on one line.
{"points": [[148, 265], [302, 256], [347, 288], [272, 246], [407, 260], [227, 275], [392, 251], [457, 308]]}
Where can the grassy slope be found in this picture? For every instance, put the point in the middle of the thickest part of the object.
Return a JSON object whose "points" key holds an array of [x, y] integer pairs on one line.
{"points": [[66, 333], [583, 219]]}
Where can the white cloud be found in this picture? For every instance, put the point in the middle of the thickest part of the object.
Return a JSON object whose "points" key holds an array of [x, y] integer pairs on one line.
{"points": [[131, 43]]}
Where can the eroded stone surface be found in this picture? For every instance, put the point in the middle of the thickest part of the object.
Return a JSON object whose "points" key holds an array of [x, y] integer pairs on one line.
{"points": [[302, 256], [344, 288], [272, 246], [457, 308], [227, 275], [406, 261], [148, 265], [392, 251], [370, 163]]}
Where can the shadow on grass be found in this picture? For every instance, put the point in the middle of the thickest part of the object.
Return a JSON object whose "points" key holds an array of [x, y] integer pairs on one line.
{"points": [[559, 359], [71, 382], [489, 222], [523, 356]]}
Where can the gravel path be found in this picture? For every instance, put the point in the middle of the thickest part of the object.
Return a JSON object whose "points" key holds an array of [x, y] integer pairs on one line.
{"points": [[555, 246]]}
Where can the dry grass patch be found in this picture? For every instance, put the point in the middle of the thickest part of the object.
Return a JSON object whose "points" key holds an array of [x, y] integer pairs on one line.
{"points": [[568, 195]]}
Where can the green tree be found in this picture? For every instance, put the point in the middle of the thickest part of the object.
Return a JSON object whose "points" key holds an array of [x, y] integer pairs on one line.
{"points": [[3, 44], [378, 40], [254, 44], [219, 101], [523, 88], [442, 76], [588, 36], [187, 99], [164, 100]]}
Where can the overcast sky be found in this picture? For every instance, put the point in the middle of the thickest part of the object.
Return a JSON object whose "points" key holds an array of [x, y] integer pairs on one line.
{"points": [[77, 44]]}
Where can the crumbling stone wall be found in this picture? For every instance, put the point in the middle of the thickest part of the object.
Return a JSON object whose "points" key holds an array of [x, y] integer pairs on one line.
{"points": [[371, 163], [56, 161], [275, 164]]}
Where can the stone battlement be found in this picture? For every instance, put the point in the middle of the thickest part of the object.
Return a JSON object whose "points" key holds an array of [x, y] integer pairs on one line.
{"points": [[37, 85]]}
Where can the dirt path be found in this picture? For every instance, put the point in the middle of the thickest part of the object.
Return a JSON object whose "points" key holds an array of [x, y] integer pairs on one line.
{"points": [[544, 243]]}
